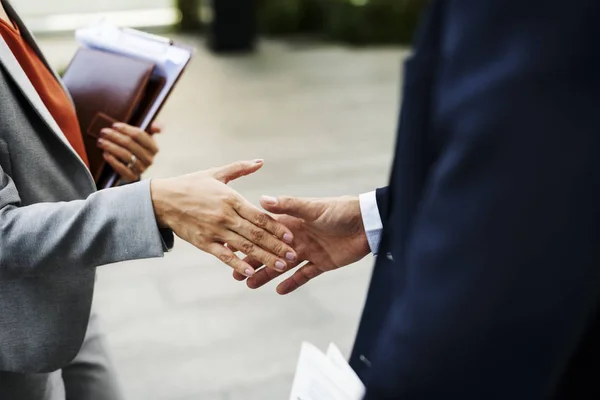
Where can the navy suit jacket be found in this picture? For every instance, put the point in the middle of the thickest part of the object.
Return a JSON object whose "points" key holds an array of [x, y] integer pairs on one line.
{"points": [[487, 281]]}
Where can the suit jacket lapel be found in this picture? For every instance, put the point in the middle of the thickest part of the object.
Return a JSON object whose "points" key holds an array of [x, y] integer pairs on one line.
{"points": [[8, 60]]}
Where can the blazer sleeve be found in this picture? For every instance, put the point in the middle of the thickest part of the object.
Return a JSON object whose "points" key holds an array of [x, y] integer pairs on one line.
{"points": [[381, 195], [501, 267], [109, 226]]}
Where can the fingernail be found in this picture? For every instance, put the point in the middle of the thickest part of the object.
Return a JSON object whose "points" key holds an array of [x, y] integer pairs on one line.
{"points": [[117, 125], [287, 237], [100, 142], [290, 256], [104, 131], [269, 200], [258, 161], [248, 272], [280, 265]]}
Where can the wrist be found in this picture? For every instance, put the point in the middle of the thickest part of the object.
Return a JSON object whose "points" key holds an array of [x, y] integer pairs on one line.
{"points": [[362, 241], [159, 196], [358, 232]]}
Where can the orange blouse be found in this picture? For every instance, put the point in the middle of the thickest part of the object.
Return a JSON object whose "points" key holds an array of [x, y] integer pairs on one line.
{"points": [[48, 88]]}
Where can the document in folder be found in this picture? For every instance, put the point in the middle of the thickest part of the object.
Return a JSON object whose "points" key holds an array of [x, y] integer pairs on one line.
{"points": [[325, 376], [120, 75]]}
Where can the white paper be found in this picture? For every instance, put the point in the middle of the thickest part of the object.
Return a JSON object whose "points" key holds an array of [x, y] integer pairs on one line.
{"points": [[169, 60], [325, 377]]}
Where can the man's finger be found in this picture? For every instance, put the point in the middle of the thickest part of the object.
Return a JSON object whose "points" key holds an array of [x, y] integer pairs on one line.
{"points": [[300, 277], [227, 257], [306, 209], [236, 170], [263, 276]]}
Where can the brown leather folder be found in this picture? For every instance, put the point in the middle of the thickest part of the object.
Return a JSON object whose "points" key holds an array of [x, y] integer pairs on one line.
{"points": [[108, 88]]}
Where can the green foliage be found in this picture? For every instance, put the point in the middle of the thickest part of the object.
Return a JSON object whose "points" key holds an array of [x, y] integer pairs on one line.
{"points": [[189, 11], [350, 21], [373, 21], [281, 17]]}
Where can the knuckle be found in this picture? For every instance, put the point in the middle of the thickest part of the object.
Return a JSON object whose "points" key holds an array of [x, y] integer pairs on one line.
{"points": [[247, 248], [127, 141], [227, 258], [232, 199], [222, 219], [261, 220], [308, 273], [257, 235], [279, 248]]}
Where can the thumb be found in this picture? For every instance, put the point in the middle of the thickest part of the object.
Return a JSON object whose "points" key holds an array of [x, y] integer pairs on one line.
{"points": [[236, 170], [306, 209]]}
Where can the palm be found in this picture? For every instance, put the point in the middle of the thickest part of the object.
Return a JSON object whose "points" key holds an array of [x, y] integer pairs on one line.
{"points": [[329, 236]]}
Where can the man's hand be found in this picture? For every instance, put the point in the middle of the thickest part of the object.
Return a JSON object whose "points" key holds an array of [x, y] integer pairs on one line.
{"points": [[201, 209], [328, 233], [123, 141]]}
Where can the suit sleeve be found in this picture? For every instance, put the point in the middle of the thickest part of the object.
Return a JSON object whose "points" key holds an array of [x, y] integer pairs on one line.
{"points": [[109, 226], [501, 266], [381, 195]]}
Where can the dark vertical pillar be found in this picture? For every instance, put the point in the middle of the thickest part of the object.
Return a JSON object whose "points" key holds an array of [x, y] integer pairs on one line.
{"points": [[232, 25]]}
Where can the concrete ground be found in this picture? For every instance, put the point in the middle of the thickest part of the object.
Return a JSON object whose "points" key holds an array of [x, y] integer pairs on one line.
{"points": [[323, 117]]}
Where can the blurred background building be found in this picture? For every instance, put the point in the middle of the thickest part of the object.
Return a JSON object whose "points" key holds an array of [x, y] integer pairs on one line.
{"points": [[318, 100]]}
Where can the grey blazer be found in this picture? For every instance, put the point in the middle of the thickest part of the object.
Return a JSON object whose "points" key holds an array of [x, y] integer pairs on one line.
{"points": [[55, 228]]}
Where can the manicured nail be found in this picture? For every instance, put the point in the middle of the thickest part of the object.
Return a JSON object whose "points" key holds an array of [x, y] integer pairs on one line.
{"points": [[290, 256], [287, 237], [269, 200], [100, 142], [104, 131], [280, 265], [248, 272], [117, 125], [258, 161]]}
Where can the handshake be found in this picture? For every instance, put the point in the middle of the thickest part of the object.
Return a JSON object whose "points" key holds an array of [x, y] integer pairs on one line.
{"points": [[316, 235]]}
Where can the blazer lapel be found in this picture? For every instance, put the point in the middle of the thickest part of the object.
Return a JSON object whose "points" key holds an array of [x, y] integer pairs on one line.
{"points": [[12, 66]]}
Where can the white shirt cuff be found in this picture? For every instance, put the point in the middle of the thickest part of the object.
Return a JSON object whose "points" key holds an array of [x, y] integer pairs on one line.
{"points": [[371, 219]]}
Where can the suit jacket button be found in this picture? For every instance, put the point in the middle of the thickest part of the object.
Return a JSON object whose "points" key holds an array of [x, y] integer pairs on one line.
{"points": [[365, 360], [390, 256]]}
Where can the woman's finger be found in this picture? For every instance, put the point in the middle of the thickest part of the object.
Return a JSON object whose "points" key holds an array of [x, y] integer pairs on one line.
{"points": [[119, 168], [226, 256], [138, 135], [254, 249], [129, 144], [264, 221], [123, 155], [265, 240], [257, 265]]}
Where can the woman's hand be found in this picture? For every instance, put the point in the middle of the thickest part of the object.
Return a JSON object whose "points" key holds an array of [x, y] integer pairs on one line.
{"points": [[129, 150]]}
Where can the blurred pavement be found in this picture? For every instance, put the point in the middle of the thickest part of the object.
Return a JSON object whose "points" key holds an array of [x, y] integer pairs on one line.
{"points": [[323, 117]]}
